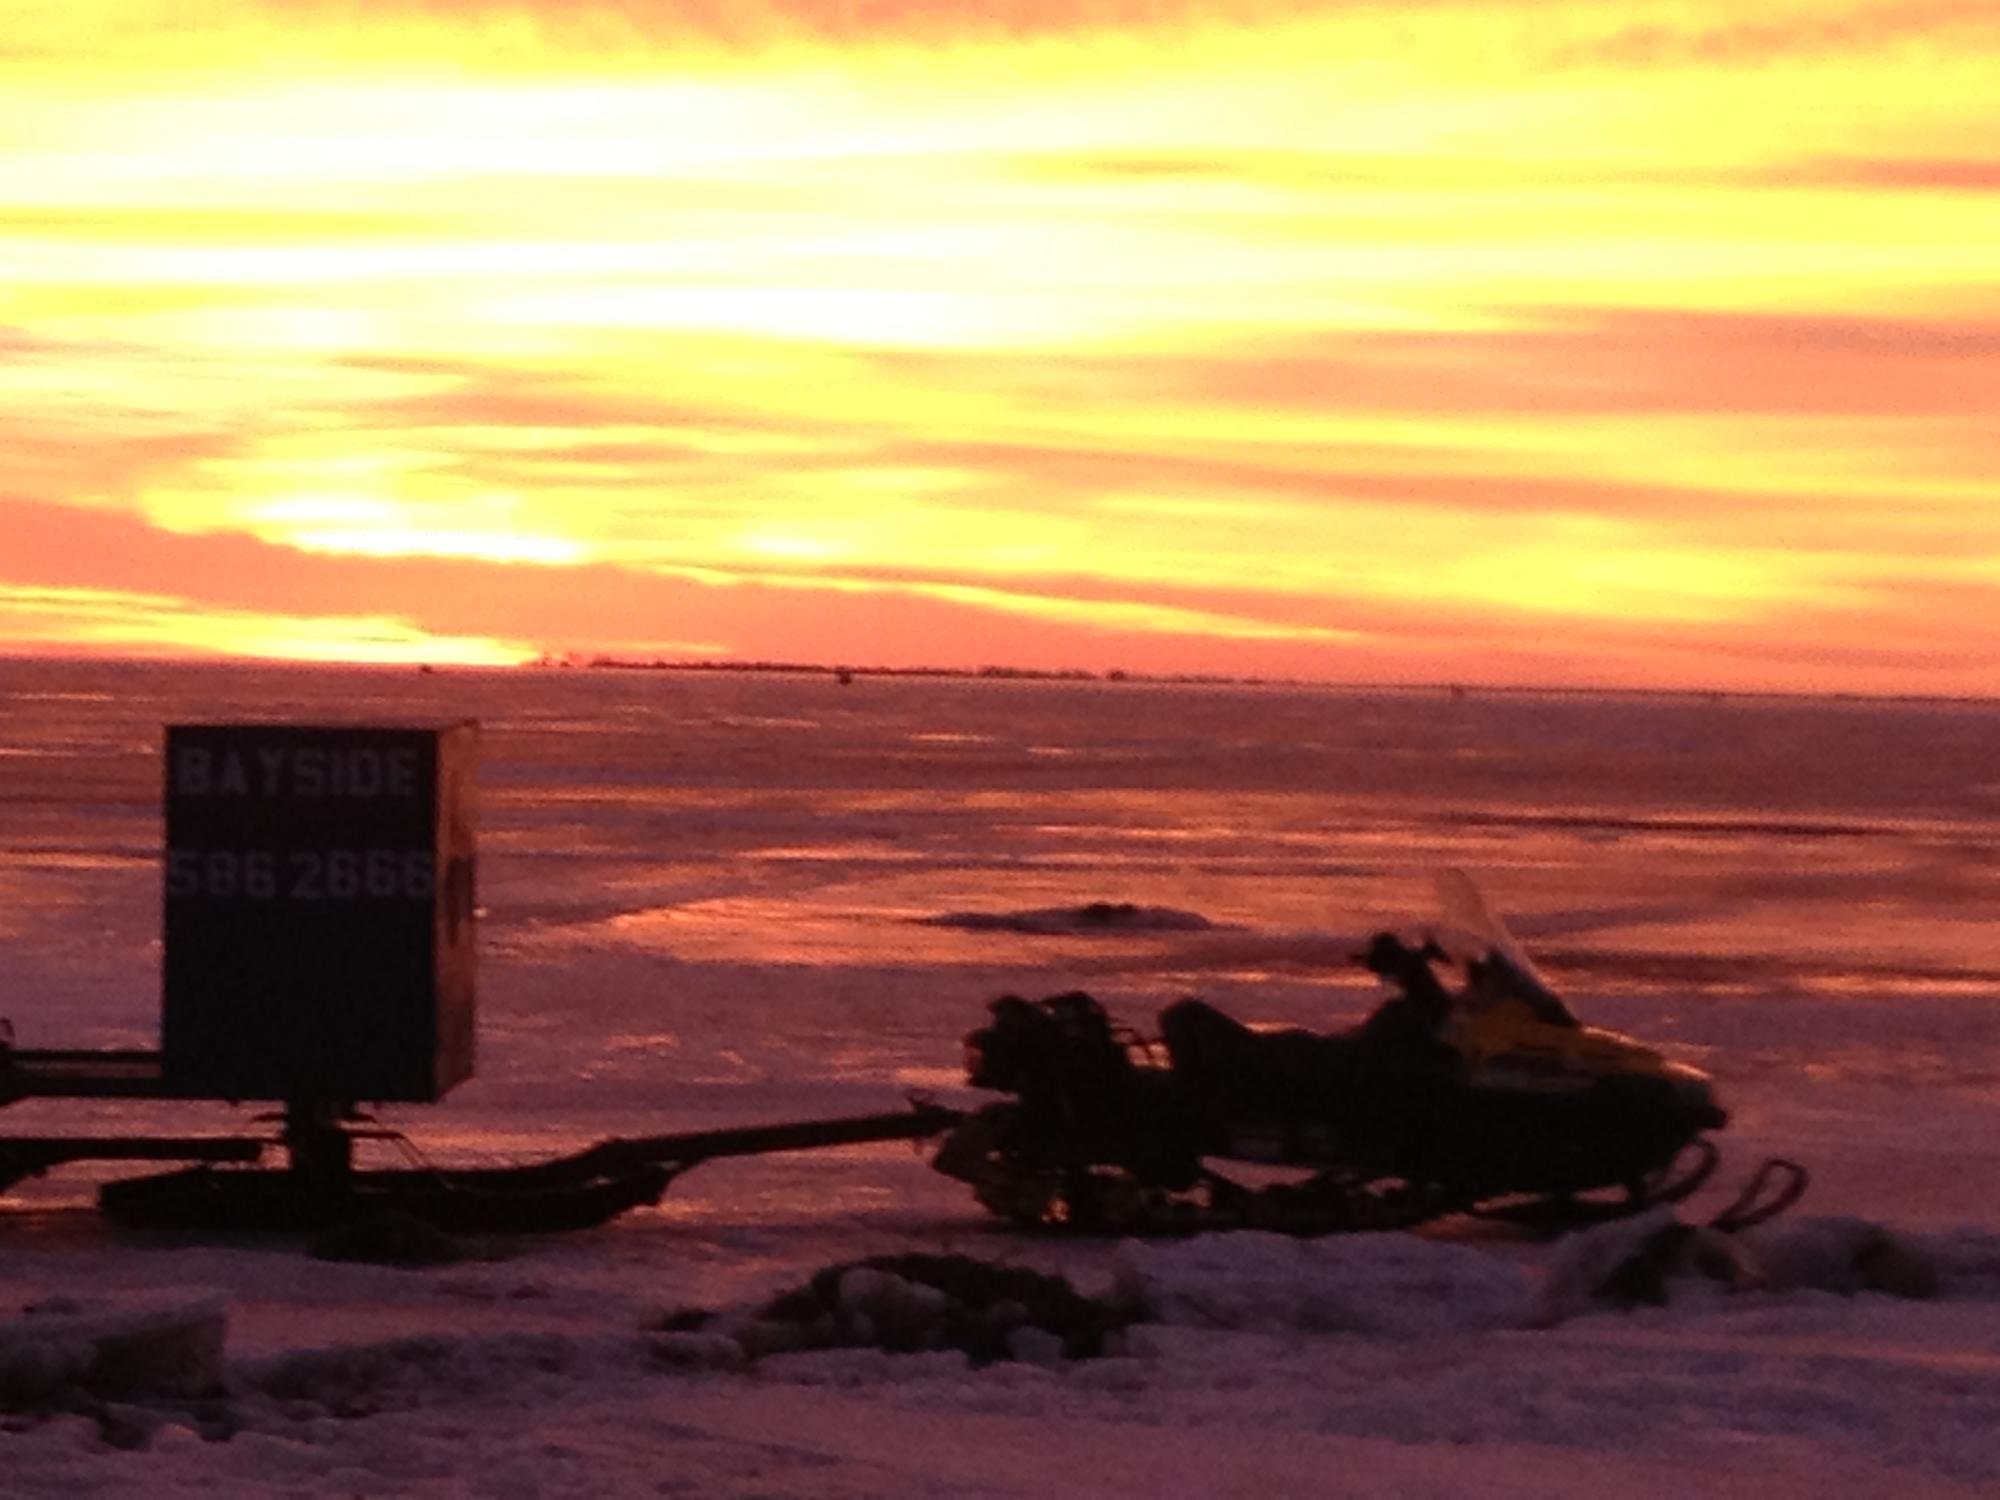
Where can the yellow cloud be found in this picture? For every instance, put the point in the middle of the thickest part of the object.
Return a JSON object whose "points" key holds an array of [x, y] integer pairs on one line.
{"points": [[1135, 616], [1515, 309], [127, 622], [486, 527]]}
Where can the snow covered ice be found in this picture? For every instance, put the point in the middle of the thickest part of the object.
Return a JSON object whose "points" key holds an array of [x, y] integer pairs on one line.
{"points": [[717, 900]]}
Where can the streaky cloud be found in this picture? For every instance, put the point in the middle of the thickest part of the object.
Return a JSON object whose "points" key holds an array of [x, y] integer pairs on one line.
{"points": [[1929, 174], [1725, 38]]}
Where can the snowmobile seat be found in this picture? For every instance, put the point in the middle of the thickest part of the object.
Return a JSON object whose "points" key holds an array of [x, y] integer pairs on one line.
{"points": [[1235, 1073]]}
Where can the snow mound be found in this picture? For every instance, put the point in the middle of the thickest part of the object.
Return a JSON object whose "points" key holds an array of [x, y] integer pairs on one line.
{"points": [[903, 1304], [1404, 1285], [1966, 1259], [1384, 1284], [1843, 1254], [1654, 1258], [357, 1380], [163, 1343]]}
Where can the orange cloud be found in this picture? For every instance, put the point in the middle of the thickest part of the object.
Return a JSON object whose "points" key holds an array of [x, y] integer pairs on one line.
{"points": [[114, 622], [1595, 342]]}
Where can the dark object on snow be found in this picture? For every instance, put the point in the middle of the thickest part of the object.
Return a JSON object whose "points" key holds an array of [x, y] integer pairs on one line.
{"points": [[904, 1304], [1091, 917], [980, 1307], [322, 1190], [386, 1237], [1706, 1250], [142, 1346], [1486, 1098], [539, 1198], [1646, 1262]]}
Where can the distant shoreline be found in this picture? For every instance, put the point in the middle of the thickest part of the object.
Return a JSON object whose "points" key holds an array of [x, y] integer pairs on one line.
{"points": [[1112, 677], [991, 673], [1465, 690]]}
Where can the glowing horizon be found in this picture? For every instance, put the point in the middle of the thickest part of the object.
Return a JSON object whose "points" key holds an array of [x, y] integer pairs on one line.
{"points": [[1620, 345]]}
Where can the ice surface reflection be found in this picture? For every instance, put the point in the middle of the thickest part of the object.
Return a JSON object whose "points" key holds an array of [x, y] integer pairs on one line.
{"points": [[766, 818], [708, 893]]}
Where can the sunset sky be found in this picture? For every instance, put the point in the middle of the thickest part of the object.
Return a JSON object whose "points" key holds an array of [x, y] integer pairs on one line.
{"points": [[1519, 341]]}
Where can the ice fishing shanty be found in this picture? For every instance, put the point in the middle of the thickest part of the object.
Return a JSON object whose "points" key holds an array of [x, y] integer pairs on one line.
{"points": [[319, 912], [318, 954]]}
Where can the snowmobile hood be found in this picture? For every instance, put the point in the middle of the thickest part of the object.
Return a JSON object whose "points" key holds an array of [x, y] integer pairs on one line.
{"points": [[1696, 1092], [1508, 1046]]}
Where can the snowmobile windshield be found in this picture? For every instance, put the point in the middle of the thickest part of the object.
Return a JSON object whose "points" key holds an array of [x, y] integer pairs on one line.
{"points": [[1494, 977], [1496, 965]]}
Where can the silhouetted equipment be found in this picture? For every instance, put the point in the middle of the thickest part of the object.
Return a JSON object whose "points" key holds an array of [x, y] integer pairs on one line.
{"points": [[320, 913], [1487, 1098]]}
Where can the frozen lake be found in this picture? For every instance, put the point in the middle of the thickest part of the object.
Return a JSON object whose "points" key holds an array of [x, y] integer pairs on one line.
{"points": [[715, 898]]}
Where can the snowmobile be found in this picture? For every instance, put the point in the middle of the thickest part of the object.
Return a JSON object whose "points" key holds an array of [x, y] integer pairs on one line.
{"points": [[1483, 1096]]}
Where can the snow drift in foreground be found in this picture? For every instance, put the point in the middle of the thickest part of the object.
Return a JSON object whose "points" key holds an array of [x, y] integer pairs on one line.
{"points": [[1250, 1360]]}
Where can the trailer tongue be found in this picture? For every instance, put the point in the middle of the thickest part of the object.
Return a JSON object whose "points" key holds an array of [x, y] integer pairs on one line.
{"points": [[317, 1184], [576, 1191]]}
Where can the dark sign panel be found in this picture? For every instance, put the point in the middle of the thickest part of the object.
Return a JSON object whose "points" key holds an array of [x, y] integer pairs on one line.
{"points": [[319, 912]]}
